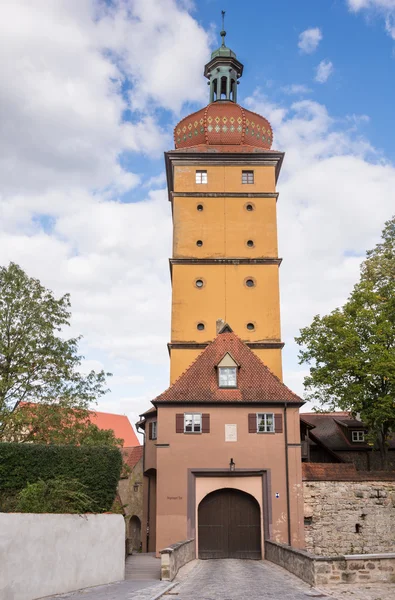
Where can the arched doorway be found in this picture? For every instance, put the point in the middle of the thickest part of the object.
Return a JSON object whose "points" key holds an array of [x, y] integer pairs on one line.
{"points": [[229, 525], [135, 533]]}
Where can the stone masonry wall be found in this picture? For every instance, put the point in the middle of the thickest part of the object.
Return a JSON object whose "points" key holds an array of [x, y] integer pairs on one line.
{"points": [[349, 517]]}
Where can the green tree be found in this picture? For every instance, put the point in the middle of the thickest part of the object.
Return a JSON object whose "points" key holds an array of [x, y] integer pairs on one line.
{"points": [[43, 395], [58, 495], [351, 351]]}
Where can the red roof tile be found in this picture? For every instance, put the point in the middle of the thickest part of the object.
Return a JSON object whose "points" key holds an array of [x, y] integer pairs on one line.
{"points": [[120, 425], [342, 472], [131, 456], [256, 383]]}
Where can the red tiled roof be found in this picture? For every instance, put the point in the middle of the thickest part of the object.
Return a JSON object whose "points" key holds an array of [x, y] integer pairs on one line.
{"points": [[120, 425], [256, 383], [342, 472], [131, 456]]}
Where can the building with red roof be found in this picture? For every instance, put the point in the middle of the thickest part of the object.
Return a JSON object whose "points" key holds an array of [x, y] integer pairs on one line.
{"points": [[222, 453]]}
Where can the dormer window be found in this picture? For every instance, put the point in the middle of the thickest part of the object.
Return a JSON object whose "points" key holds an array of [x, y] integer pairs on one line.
{"points": [[227, 372], [227, 377], [358, 436]]}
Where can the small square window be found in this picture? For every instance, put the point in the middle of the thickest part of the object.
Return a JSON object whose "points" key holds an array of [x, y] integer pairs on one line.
{"points": [[201, 176], [265, 422], [227, 377], [154, 429], [247, 176], [192, 423], [358, 436]]}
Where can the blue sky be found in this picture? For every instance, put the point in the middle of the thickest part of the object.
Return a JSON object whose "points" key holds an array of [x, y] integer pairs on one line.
{"points": [[93, 91]]}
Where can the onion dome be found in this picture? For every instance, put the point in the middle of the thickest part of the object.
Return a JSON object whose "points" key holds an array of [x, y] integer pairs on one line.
{"points": [[224, 123]]}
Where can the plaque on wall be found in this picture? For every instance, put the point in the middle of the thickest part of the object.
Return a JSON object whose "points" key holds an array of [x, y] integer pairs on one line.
{"points": [[230, 433]]}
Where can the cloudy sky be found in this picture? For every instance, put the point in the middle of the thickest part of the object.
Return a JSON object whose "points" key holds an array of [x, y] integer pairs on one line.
{"points": [[90, 93]]}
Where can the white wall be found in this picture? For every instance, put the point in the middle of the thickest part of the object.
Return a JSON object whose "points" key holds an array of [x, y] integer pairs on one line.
{"points": [[42, 554]]}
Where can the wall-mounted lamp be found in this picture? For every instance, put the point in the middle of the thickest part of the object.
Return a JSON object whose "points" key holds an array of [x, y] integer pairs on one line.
{"points": [[232, 465]]}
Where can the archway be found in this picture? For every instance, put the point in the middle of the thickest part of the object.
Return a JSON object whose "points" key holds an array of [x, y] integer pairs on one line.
{"points": [[135, 532], [229, 525]]}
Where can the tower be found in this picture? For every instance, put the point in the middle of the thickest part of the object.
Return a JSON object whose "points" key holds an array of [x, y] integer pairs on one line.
{"points": [[222, 179]]}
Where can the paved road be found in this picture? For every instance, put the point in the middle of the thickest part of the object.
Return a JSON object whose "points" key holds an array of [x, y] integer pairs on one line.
{"points": [[241, 580]]}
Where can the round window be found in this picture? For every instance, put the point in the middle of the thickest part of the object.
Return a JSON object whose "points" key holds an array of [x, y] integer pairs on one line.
{"points": [[250, 244], [249, 207], [200, 326], [199, 243], [199, 207], [250, 326], [250, 282], [199, 283]]}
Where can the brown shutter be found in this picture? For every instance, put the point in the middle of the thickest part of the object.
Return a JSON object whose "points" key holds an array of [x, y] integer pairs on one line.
{"points": [[150, 431], [205, 423], [179, 423], [278, 423], [252, 423]]}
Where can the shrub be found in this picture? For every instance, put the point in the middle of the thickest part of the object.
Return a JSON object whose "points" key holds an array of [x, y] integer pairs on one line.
{"points": [[96, 467], [59, 495]]}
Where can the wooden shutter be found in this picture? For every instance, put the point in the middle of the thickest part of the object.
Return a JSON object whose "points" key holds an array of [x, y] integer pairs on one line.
{"points": [[179, 423], [278, 423], [205, 423], [252, 423], [150, 431]]}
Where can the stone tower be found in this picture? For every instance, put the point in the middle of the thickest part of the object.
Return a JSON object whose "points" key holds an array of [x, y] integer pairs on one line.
{"points": [[222, 185]]}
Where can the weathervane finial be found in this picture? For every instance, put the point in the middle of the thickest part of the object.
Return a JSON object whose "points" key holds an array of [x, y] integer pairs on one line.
{"points": [[223, 32]]}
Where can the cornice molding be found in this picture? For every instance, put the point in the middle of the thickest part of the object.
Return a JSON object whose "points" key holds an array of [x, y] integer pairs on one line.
{"points": [[261, 345], [269, 158], [224, 195]]}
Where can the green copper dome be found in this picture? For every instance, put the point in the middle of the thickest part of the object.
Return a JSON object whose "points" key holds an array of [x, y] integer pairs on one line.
{"points": [[223, 51]]}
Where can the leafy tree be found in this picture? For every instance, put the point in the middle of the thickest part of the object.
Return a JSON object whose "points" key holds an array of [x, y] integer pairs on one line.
{"points": [[352, 350], [58, 495], [43, 395]]}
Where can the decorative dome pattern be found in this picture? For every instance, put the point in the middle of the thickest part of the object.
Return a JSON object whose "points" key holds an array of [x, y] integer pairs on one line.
{"points": [[223, 123]]}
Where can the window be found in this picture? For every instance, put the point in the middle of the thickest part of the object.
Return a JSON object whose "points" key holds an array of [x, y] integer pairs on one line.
{"points": [[249, 207], [154, 430], [201, 176], [358, 436], [227, 377], [200, 326], [265, 422], [192, 423], [250, 244], [247, 176], [249, 282], [199, 283], [199, 243], [199, 207], [250, 326]]}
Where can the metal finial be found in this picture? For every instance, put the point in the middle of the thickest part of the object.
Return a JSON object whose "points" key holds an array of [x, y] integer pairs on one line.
{"points": [[223, 32]]}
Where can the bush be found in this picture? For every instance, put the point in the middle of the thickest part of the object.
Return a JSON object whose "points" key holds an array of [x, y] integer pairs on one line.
{"points": [[97, 468], [59, 495]]}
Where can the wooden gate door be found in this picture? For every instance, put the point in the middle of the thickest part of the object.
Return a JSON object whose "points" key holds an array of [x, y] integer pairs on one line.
{"points": [[229, 525]]}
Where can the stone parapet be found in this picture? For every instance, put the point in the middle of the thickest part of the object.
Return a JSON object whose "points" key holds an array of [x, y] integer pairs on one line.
{"points": [[176, 556], [328, 570]]}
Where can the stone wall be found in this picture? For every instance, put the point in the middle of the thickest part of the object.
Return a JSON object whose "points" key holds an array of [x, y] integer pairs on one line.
{"points": [[176, 556], [130, 491], [324, 570], [47, 554], [349, 517]]}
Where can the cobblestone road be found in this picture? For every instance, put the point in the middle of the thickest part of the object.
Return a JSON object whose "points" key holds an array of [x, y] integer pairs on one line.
{"points": [[240, 580]]}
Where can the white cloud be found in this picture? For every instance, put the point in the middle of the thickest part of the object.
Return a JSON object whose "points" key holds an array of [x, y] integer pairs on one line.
{"points": [[336, 192], [296, 89], [309, 40], [85, 81], [385, 8], [324, 71]]}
